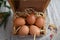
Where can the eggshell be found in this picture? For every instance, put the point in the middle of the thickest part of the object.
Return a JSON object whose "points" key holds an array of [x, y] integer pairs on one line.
{"points": [[31, 19], [40, 22], [34, 30], [24, 30], [19, 21]]}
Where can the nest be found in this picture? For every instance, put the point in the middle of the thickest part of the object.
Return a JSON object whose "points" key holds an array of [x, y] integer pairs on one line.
{"points": [[24, 14]]}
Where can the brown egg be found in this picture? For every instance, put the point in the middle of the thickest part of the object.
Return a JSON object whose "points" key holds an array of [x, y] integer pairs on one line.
{"points": [[40, 22], [19, 21], [24, 30], [31, 19], [34, 30]]}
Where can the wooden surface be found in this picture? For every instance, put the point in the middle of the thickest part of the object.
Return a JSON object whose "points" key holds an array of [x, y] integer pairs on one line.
{"points": [[21, 5]]}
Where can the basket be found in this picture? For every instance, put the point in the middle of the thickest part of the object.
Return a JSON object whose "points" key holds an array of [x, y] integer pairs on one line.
{"points": [[23, 7]]}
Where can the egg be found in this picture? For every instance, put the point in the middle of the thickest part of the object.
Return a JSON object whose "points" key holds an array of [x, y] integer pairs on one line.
{"points": [[19, 21], [40, 22], [34, 30], [31, 19], [24, 30]]}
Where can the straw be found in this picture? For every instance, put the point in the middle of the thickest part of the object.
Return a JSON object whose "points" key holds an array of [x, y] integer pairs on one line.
{"points": [[34, 36]]}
